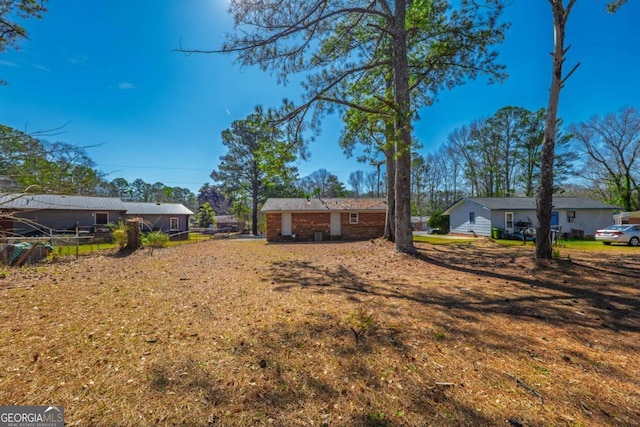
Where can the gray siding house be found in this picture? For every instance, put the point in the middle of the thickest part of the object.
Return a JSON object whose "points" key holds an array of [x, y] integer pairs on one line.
{"points": [[166, 217], [37, 214], [575, 215]]}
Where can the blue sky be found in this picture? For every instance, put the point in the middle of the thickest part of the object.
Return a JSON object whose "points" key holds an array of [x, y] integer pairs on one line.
{"points": [[108, 68]]}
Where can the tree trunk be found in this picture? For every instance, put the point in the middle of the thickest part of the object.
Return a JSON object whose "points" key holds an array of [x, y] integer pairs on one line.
{"points": [[389, 229], [390, 164], [254, 211], [404, 235], [628, 192], [544, 199], [134, 239]]}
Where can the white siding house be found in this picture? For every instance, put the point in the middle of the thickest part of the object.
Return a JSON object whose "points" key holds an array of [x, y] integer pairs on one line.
{"points": [[574, 215], [470, 218]]}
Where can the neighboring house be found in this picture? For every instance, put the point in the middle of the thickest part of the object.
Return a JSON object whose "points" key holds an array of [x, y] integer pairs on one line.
{"points": [[627, 218], [576, 216], [319, 219], [226, 223], [37, 213], [420, 223], [27, 214], [166, 217]]}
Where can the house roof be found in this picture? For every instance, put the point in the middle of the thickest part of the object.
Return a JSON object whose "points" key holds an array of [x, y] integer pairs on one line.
{"points": [[628, 215], [323, 205], [415, 219], [146, 208], [60, 202], [226, 219], [529, 203], [88, 203]]}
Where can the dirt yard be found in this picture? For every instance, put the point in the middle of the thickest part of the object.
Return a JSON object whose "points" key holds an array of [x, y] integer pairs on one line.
{"points": [[239, 333]]}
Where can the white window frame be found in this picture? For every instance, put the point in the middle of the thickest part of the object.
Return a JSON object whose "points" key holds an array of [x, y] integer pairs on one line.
{"points": [[177, 226], [509, 219], [95, 218], [571, 218], [353, 217]]}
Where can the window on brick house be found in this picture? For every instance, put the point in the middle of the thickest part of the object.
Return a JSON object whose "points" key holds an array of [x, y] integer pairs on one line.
{"points": [[353, 218]]}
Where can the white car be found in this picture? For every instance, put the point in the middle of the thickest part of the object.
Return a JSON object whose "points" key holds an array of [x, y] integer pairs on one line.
{"points": [[628, 234]]}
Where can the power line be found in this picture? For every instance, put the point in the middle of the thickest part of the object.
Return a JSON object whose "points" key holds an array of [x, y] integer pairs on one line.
{"points": [[156, 167]]}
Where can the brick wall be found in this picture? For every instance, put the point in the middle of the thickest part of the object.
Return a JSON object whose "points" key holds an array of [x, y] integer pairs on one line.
{"points": [[305, 225], [370, 226], [274, 226]]}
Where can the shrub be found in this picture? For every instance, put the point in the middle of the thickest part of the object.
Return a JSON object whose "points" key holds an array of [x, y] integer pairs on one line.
{"points": [[362, 323], [157, 239], [119, 233], [439, 221]]}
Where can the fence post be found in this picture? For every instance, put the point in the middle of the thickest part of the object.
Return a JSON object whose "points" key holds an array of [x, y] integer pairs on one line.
{"points": [[77, 241]]}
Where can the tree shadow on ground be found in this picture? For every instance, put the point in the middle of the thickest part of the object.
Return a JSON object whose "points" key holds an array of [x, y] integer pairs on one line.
{"points": [[617, 309], [591, 301], [313, 371], [610, 289]]}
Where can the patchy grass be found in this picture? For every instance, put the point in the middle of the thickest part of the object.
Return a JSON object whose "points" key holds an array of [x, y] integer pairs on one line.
{"points": [[236, 333], [84, 249], [440, 240], [89, 248], [585, 245]]}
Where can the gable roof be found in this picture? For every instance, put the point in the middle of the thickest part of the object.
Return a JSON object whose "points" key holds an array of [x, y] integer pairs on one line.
{"points": [[146, 208], [60, 202], [88, 203], [226, 219], [529, 203], [324, 205]]}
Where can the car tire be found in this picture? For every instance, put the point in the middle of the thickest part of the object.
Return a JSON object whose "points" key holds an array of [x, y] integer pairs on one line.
{"points": [[634, 241]]}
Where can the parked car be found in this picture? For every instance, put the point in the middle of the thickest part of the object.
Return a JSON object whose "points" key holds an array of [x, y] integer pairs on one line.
{"points": [[628, 234], [227, 229]]}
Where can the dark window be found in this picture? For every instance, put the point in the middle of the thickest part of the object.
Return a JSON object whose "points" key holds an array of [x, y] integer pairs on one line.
{"points": [[173, 224], [102, 218], [353, 218], [472, 217], [571, 216]]}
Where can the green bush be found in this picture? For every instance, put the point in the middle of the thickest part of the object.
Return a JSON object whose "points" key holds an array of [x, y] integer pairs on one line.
{"points": [[157, 239], [119, 233], [439, 221]]}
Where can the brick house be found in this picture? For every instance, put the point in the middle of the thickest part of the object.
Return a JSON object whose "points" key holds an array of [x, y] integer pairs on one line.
{"points": [[320, 219]]}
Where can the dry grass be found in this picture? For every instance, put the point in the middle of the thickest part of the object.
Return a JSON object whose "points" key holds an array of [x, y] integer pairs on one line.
{"points": [[236, 333]]}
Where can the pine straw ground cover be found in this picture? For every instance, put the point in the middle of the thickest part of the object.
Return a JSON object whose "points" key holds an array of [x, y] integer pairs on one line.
{"points": [[238, 333]]}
